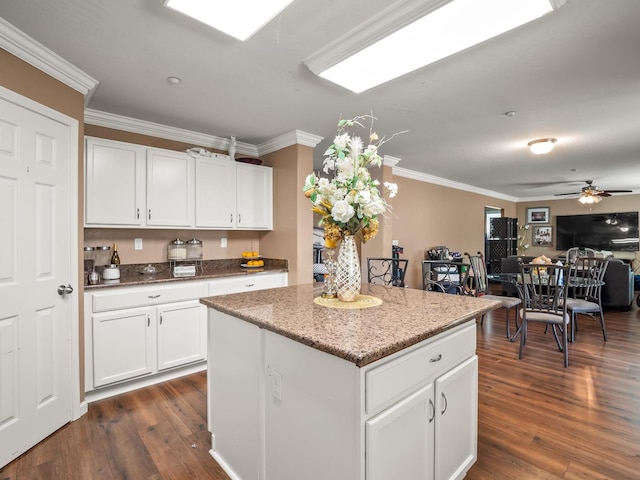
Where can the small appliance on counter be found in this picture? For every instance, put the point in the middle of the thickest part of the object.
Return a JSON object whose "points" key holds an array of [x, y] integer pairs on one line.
{"points": [[185, 258], [111, 272]]}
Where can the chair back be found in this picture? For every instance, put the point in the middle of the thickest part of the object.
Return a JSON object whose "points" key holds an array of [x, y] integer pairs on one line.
{"points": [[387, 271], [592, 271], [578, 252], [479, 284], [543, 288]]}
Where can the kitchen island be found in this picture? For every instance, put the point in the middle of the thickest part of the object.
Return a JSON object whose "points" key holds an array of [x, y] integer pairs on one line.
{"points": [[301, 390]]}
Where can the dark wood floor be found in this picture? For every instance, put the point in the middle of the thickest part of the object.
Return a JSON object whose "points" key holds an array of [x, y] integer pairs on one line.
{"points": [[537, 420]]}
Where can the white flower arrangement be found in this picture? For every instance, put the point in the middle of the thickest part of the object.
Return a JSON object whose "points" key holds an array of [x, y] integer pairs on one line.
{"points": [[349, 202]]}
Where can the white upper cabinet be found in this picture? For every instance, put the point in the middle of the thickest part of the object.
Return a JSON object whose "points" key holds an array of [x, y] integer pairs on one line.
{"points": [[215, 192], [170, 199], [129, 185], [114, 183], [254, 197]]}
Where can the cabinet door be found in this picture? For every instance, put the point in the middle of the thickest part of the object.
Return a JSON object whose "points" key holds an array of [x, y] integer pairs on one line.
{"points": [[182, 329], [170, 185], [215, 192], [456, 435], [399, 441], [254, 197], [122, 345], [114, 183]]}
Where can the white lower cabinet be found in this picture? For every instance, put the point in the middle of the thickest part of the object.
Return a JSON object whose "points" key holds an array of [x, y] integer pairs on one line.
{"points": [[297, 412], [182, 334], [122, 345], [132, 332], [431, 434]]}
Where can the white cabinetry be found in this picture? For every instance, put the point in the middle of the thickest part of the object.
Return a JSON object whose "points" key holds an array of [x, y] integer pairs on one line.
{"points": [[136, 331], [215, 192], [233, 195], [247, 283], [254, 197], [411, 415], [130, 186], [114, 183], [170, 198]]}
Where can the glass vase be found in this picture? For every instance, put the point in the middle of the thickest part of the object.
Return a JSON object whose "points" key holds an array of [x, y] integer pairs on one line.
{"points": [[348, 280]]}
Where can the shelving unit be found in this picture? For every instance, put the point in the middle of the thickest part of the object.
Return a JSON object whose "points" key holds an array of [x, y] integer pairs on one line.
{"points": [[502, 242]]}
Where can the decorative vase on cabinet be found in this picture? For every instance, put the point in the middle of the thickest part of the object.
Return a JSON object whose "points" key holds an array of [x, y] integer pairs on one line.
{"points": [[348, 277]]}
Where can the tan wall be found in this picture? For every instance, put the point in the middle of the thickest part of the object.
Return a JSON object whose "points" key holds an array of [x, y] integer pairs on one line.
{"points": [[292, 235], [426, 215], [616, 203], [30, 82]]}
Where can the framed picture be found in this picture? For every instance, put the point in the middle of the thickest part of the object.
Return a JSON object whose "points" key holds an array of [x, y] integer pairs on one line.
{"points": [[542, 236], [538, 215]]}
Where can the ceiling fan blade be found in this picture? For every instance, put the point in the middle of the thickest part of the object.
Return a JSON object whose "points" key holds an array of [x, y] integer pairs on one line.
{"points": [[563, 194], [602, 194], [619, 191]]}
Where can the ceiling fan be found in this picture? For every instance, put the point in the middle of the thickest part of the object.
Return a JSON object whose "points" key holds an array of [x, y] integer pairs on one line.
{"points": [[592, 193]]}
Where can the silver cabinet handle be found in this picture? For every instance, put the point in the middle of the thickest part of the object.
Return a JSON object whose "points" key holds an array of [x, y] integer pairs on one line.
{"points": [[137, 213], [153, 296], [149, 214], [160, 319], [436, 359], [148, 321], [444, 409], [250, 285], [231, 218], [433, 411], [239, 218]]}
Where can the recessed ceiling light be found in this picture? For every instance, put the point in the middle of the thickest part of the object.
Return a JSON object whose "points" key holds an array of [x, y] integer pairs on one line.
{"points": [[413, 33], [174, 80], [238, 18]]}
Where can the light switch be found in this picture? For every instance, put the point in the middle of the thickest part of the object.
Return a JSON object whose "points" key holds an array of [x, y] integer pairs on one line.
{"points": [[223, 242]]}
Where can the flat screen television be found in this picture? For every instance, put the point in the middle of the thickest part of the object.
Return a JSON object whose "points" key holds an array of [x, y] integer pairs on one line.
{"points": [[604, 231]]}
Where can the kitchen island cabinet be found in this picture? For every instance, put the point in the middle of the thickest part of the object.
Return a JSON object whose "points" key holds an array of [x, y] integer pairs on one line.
{"points": [[299, 390]]}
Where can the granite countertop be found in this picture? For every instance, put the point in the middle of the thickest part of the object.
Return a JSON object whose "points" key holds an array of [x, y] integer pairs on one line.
{"points": [[130, 275], [361, 336]]}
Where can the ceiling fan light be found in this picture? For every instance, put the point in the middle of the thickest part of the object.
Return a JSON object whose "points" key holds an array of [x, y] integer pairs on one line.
{"points": [[542, 145]]}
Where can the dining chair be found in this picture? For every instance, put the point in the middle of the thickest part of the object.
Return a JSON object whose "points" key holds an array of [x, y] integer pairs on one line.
{"points": [[543, 290], [478, 286], [577, 252], [387, 271], [585, 297]]}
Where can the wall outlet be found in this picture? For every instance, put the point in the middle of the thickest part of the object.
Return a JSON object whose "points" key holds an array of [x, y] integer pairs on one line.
{"points": [[276, 385], [137, 244], [394, 243], [223, 242]]}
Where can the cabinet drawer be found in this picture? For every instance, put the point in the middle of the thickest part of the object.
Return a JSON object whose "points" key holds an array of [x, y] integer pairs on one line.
{"points": [[119, 298], [247, 283], [401, 376]]}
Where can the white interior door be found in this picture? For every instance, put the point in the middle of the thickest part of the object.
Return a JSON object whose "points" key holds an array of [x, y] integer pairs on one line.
{"points": [[36, 241]]}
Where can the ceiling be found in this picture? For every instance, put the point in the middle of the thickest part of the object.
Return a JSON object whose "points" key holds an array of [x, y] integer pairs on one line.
{"points": [[573, 74]]}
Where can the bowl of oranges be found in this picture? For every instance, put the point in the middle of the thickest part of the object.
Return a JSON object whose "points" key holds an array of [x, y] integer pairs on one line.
{"points": [[252, 260]]}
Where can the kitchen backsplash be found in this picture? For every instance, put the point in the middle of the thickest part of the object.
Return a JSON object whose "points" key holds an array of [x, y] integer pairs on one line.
{"points": [[155, 242]]}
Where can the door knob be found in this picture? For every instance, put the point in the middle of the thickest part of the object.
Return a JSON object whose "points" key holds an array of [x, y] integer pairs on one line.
{"points": [[64, 289]]}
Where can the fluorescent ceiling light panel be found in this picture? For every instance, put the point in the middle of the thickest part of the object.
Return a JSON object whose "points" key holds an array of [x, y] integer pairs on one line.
{"points": [[238, 18], [450, 28]]}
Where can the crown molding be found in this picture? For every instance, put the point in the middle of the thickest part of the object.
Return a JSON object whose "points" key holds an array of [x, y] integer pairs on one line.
{"points": [[133, 125], [34, 53], [295, 137], [389, 161], [443, 182]]}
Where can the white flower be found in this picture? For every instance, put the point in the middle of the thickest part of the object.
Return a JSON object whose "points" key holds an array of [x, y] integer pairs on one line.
{"points": [[392, 187], [342, 211], [373, 208], [329, 164], [341, 140]]}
